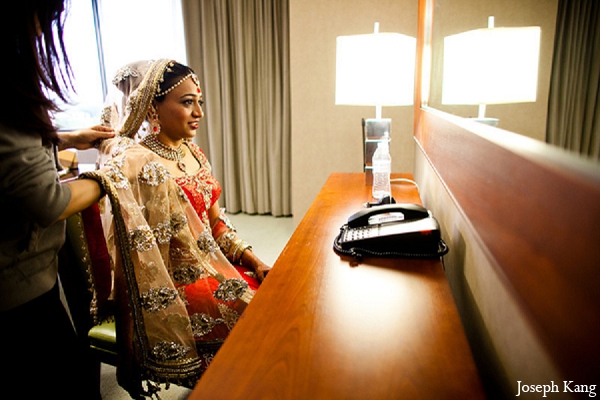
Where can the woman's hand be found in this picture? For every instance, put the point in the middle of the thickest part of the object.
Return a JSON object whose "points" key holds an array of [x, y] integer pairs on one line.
{"points": [[84, 139], [250, 260]]}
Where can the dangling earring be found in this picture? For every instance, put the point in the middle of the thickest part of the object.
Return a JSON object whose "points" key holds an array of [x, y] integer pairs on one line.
{"points": [[154, 124]]}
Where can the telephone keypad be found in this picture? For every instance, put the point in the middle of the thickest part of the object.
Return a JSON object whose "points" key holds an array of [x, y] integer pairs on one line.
{"points": [[364, 232]]}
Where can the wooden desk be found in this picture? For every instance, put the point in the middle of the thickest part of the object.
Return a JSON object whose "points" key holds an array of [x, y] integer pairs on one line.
{"points": [[323, 327]]}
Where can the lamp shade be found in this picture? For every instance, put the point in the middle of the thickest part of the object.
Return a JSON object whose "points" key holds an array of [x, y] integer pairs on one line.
{"points": [[375, 69], [491, 66]]}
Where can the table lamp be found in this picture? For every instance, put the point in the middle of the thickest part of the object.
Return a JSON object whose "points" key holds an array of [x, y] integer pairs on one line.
{"points": [[375, 70], [491, 66]]}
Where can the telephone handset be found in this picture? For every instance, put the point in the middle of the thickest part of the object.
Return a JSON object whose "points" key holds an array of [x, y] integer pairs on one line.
{"points": [[391, 230], [387, 213]]}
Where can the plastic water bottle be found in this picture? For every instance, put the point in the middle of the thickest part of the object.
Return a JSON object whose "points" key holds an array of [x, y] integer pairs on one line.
{"points": [[382, 166]]}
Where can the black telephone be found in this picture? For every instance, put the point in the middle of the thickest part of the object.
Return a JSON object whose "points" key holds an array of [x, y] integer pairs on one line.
{"points": [[391, 230]]}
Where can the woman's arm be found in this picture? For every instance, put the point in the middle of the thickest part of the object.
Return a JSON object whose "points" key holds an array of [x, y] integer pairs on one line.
{"points": [[84, 193], [247, 258]]}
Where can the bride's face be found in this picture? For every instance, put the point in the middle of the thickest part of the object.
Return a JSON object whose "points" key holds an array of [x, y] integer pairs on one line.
{"points": [[180, 112]]}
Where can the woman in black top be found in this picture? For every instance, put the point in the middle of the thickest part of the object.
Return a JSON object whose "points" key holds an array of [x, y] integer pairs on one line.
{"points": [[37, 340]]}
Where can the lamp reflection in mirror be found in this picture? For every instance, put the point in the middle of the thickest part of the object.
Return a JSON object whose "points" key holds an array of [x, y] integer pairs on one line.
{"points": [[375, 70], [491, 66]]}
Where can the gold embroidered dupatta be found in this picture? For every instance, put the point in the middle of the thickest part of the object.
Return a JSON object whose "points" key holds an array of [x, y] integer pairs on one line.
{"points": [[160, 248]]}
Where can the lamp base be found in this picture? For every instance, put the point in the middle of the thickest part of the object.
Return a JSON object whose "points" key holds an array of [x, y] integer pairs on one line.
{"points": [[374, 131]]}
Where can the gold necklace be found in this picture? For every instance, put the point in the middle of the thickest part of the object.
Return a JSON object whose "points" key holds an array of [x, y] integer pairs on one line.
{"points": [[165, 151]]}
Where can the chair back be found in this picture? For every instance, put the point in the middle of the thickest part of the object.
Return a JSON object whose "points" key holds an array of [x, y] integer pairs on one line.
{"points": [[86, 279]]}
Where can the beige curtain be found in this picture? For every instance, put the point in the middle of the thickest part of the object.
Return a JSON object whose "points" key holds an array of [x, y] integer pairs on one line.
{"points": [[240, 50], [574, 100]]}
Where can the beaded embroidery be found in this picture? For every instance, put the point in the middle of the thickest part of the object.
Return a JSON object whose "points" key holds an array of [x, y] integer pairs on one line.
{"points": [[141, 238], [169, 351], [182, 194], [162, 232], [178, 222], [202, 187], [122, 143], [124, 73], [203, 324], [105, 116], [114, 173], [206, 243], [130, 106], [157, 299], [187, 273], [231, 289], [153, 174]]}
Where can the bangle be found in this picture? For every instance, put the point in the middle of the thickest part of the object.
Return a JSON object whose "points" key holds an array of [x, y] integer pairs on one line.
{"points": [[225, 241], [240, 247], [248, 247], [232, 247]]}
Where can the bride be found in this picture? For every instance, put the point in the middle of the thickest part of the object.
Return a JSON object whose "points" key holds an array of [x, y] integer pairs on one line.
{"points": [[182, 276]]}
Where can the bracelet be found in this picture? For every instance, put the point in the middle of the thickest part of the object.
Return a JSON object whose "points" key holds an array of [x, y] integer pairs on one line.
{"points": [[232, 247], [240, 247], [225, 241]]}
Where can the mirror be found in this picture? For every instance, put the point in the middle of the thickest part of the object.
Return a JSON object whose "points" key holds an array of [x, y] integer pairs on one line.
{"points": [[458, 16]]}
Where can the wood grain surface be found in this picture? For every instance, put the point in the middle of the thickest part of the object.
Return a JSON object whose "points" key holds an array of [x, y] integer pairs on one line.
{"points": [[323, 326]]}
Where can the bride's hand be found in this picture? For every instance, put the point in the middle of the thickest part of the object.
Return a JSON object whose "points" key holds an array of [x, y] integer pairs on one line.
{"points": [[250, 260]]}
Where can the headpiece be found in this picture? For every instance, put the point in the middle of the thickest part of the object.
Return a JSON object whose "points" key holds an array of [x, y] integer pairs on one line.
{"points": [[138, 83], [179, 82]]}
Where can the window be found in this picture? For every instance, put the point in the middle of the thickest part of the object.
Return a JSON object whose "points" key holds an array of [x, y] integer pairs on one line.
{"points": [[103, 35]]}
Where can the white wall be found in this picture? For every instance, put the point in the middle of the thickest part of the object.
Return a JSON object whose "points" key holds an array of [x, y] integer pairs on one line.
{"points": [[327, 138]]}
